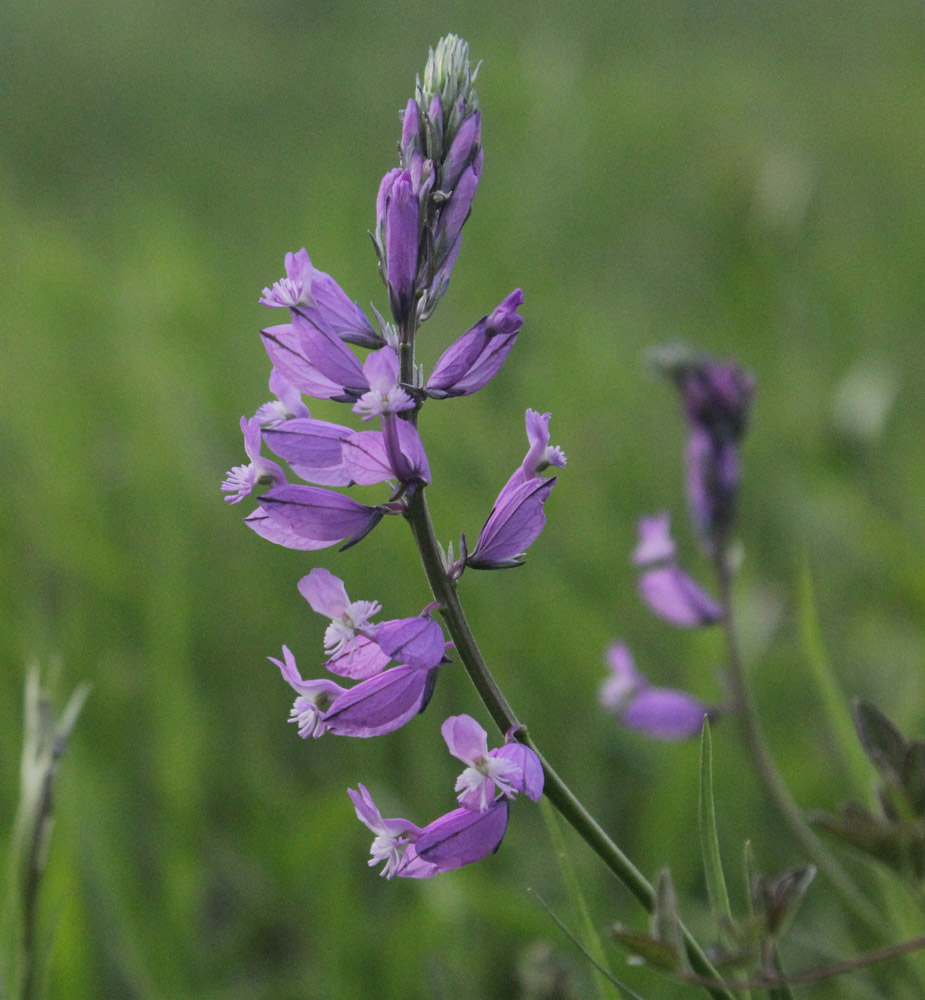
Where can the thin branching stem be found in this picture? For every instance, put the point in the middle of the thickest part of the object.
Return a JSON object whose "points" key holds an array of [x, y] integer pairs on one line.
{"points": [[777, 789]]}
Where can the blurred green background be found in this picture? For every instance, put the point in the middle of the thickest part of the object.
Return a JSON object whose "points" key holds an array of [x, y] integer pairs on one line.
{"points": [[743, 176]]}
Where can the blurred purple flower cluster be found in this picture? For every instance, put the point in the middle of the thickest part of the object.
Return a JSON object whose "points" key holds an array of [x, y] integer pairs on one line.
{"points": [[716, 398]]}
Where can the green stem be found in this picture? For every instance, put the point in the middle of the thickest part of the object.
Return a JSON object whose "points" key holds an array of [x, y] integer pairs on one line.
{"points": [[555, 789]]}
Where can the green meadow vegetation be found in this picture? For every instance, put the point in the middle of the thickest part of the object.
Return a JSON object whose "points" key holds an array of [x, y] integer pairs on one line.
{"points": [[746, 177]]}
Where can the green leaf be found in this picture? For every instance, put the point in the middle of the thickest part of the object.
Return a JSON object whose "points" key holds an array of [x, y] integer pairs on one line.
{"points": [[881, 740], [709, 838]]}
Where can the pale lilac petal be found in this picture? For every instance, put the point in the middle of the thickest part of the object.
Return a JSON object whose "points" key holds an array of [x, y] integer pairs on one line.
{"points": [[513, 525], [365, 458], [295, 289], [288, 352], [462, 837], [280, 534], [381, 704], [677, 597], [539, 454], [318, 514], [655, 541], [394, 840], [313, 449], [328, 353], [325, 593], [465, 738], [665, 714], [369, 816], [414, 867], [385, 394], [624, 680], [367, 461], [359, 659], [417, 642]]}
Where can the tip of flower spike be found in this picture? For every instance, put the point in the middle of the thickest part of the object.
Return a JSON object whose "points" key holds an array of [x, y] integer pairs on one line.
{"points": [[448, 75]]}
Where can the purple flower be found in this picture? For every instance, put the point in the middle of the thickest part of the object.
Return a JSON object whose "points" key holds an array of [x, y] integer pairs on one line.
{"points": [[242, 479], [490, 774], [476, 357], [288, 403], [514, 524], [678, 598], [663, 713], [315, 697], [665, 587], [517, 517], [385, 394], [540, 455], [321, 299], [320, 515], [294, 349], [462, 837], [350, 649], [399, 208], [456, 211], [463, 151], [394, 841]]}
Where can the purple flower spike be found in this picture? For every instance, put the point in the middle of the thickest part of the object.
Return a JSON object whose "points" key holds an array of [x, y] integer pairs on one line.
{"points": [[418, 642], [488, 774], [515, 522], [313, 449], [319, 514], [243, 479], [394, 842], [477, 356], [678, 598], [315, 697], [462, 837], [663, 713], [381, 704]]}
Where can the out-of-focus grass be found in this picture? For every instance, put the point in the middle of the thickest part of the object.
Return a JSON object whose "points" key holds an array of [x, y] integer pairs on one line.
{"points": [[742, 176]]}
